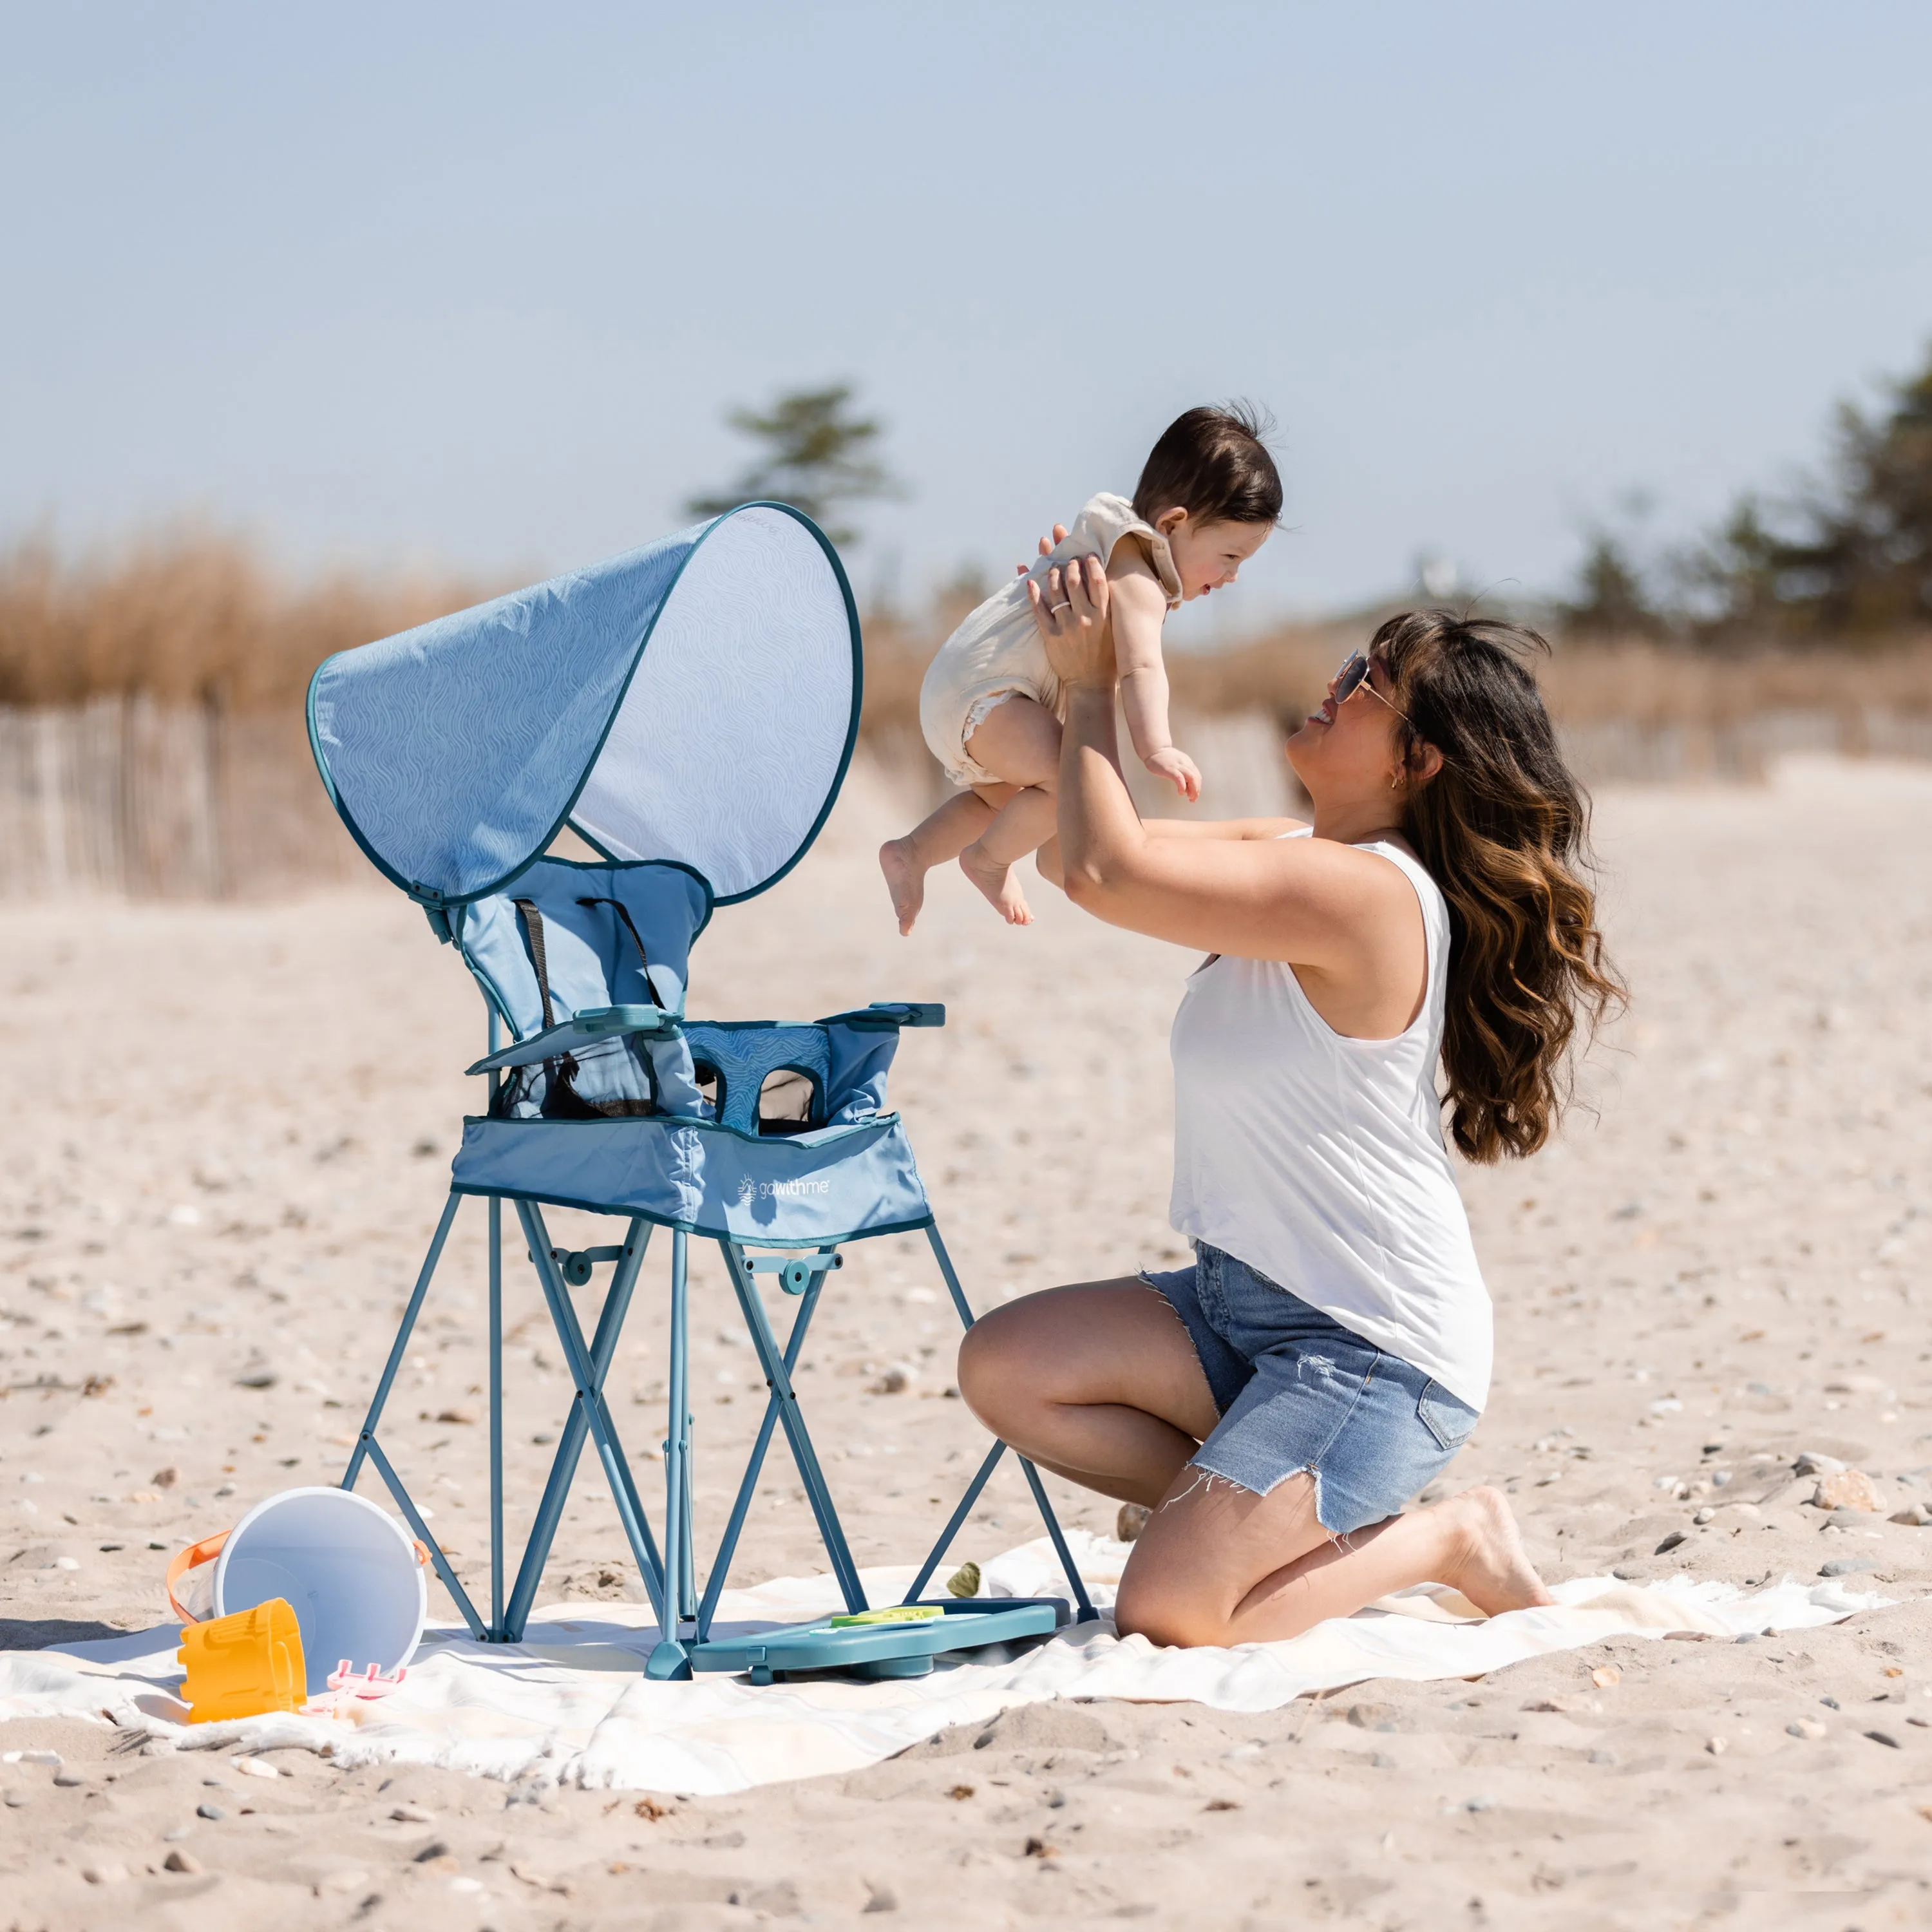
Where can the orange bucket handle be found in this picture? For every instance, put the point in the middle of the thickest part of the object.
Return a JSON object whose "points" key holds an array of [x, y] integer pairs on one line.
{"points": [[192, 1557], [209, 1547]]}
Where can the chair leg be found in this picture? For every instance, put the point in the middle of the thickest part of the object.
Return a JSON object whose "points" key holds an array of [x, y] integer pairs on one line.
{"points": [[804, 1456], [570, 1445], [596, 1414], [952, 1528], [728, 1547], [406, 1504], [404, 1329], [1087, 1613], [498, 1629], [670, 1659], [367, 1449]]}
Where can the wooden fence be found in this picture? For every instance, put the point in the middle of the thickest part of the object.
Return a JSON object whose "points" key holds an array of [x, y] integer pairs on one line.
{"points": [[126, 797]]}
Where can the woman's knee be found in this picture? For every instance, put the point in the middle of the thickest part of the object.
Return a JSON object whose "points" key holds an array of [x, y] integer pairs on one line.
{"points": [[1165, 1608], [993, 1361]]}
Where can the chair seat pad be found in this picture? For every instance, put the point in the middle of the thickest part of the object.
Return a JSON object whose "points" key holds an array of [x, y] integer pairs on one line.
{"points": [[835, 1183]]}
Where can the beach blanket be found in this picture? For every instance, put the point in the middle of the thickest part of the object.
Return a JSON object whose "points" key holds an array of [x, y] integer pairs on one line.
{"points": [[569, 1704]]}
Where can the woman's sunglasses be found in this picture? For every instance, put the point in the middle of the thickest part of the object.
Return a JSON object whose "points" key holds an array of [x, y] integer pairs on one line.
{"points": [[1353, 676]]}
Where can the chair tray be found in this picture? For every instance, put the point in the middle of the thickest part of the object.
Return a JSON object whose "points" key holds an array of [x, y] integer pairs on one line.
{"points": [[885, 1649]]}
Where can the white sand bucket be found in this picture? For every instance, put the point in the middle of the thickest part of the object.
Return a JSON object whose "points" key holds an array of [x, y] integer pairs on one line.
{"points": [[348, 1569]]}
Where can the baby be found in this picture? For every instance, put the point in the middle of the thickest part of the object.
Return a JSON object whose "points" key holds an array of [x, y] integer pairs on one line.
{"points": [[990, 705]]}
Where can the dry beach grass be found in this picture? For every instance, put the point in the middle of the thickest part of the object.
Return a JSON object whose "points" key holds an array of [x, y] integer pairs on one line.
{"points": [[226, 1152]]}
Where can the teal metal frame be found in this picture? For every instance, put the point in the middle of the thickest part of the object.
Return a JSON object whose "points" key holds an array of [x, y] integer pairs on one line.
{"points": [[669, 1571]]}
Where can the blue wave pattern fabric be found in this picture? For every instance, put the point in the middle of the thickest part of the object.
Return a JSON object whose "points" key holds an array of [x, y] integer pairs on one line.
{"points": [[739, 723], [455, 750], [694, 701]]}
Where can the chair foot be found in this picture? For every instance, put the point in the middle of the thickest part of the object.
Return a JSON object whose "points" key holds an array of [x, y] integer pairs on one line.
{"points": [[894, 1666], [669, 1662]]}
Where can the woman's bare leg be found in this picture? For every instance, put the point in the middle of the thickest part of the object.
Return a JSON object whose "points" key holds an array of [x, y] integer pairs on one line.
{"points": [[1020, 740], [1217, 1564], [941, 836], [1097, 1382]]}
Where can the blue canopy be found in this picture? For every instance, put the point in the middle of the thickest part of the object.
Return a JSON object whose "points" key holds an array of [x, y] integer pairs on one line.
{"points": [[695, 701]]}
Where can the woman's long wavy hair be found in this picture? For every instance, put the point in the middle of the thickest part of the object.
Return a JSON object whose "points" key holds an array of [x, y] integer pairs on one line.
{"points": [[1503, 828]]}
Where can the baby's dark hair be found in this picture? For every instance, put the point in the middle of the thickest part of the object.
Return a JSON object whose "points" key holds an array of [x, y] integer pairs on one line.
{"points": [[1214, 464]]}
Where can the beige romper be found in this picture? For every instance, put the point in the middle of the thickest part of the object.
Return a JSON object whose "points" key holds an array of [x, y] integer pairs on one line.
{"points": [[997, 652]]}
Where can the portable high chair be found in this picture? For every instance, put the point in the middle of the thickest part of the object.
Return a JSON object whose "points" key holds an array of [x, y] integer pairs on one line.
{"points": [[689, 709]]}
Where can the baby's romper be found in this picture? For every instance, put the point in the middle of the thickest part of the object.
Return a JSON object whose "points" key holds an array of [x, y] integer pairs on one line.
{"points": [[997, 651]]}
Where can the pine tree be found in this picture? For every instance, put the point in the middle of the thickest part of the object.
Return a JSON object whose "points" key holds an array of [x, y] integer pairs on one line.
{"points": [[817, 457], [1610, 599], [1852, 554]]}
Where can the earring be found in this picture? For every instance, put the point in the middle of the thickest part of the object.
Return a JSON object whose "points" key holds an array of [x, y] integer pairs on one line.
{"points": [[1395, 781]]}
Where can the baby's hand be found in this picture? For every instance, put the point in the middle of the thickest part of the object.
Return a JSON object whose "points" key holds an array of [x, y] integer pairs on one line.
{"points": [[1046, 547], [1180, 771]]}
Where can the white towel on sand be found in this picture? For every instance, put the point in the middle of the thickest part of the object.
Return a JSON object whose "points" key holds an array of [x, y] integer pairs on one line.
{"points": [[568, 1704]]}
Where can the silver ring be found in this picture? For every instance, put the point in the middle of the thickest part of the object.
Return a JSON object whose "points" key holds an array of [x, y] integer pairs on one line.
{"points": [[1052, 608]]}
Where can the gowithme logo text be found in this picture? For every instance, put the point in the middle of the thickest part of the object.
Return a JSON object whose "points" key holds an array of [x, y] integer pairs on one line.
{"points": [[780, 1190]]}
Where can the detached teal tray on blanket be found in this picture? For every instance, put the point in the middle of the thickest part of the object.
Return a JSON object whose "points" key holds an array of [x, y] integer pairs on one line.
{"points": [[886, 1648]]}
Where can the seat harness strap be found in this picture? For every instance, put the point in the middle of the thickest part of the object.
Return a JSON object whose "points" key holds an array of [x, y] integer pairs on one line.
{"points": [[623, 912], [533, 934]]}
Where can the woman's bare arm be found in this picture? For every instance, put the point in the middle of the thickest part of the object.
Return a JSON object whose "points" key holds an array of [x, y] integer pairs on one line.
{"points": [[1309, 901], [1222, 828]]}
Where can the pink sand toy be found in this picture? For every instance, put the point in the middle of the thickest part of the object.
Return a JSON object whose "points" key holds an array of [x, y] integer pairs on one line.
{"points": [[349, 1687], [374, 1681]]}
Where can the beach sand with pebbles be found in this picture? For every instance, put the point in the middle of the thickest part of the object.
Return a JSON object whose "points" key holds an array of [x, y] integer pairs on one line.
{"points": [[227, 1148]]}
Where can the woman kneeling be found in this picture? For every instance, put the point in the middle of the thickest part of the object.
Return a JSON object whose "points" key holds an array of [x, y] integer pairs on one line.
{"points": [[1276, 1403]]}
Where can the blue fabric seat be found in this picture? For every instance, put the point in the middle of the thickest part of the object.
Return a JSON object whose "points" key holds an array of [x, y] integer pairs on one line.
{"points": [[616, 944]]}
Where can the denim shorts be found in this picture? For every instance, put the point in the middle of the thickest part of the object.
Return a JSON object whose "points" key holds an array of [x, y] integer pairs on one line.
{"points": [[1297, 1391]]}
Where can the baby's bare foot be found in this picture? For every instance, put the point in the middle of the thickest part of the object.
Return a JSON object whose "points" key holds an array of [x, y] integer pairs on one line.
{"points": [[905, 879], [1000, 884], [1493, 1571]]}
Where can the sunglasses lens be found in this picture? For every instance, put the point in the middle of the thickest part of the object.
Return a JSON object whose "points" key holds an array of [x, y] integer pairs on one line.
{"points": [[1351, 673]]}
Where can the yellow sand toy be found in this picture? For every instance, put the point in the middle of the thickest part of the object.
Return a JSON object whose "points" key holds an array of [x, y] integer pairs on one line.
{"points": [[245, 1665]]}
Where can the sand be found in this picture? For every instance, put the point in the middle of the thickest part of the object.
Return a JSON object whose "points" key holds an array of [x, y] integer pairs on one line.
{"points": [[228, 1145]]}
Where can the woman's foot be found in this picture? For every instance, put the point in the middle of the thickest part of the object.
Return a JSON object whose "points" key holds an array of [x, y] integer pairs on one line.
{"points": [[1000, 884], [1490, 1567], [905, 879]]}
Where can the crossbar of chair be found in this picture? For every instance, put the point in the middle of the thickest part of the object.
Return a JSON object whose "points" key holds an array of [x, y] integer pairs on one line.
{"points": [[728, 1547], [596, 1413], [367, 1449], [406, 1504], [785, 1397], [630, 1258], [1088, 1614], [953, 1527], [405, 1328]]}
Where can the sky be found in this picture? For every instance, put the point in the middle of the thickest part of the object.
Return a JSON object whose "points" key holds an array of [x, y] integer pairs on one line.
{"points": [[472, 287]]}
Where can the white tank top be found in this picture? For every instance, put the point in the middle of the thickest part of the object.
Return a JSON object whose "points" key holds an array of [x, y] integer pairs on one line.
{"points": [[1319, 1160]]}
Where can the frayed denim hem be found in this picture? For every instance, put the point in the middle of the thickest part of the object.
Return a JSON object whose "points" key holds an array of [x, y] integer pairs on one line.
{"points": [[1209, 1475]]}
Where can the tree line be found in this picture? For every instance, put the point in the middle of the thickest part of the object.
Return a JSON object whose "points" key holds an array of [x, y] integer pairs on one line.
{"points": [[1844, 556]]}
